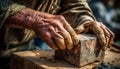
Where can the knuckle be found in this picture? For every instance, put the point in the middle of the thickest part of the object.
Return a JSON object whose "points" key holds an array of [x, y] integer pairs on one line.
{"points": [[79, 29], [113, 35], [76, 41], [60, 17], [67, 34]]}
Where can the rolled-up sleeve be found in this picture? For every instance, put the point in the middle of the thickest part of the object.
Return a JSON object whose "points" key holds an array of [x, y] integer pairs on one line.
{"points": [[8, 8], [76, 11]]}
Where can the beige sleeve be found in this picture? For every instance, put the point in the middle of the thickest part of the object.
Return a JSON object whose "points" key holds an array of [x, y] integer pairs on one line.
{"points": [[76, 11], [12, 9]]}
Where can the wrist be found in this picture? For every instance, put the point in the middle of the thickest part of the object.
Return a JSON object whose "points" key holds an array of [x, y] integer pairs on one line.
{"points": [[27, 18]]}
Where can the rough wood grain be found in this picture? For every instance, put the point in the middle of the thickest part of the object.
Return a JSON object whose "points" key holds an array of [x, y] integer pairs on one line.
{"points": [[40, 60], [44, 60]]}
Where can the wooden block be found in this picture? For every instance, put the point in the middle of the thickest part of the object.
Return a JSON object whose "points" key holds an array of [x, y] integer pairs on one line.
{"points": [[86, 52], [41, 60]]}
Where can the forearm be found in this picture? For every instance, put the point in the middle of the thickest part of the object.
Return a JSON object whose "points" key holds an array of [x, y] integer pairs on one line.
{"points": [[26, 18], [20, 19]]}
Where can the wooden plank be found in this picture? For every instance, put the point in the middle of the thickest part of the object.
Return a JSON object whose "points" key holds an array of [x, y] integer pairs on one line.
{"points": [[39, 60], [44, 60], [85, 53], [112, 58]]}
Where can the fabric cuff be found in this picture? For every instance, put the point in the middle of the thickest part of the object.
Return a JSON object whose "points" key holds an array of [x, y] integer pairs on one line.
{"points": [[12, 9], [87, 18]]}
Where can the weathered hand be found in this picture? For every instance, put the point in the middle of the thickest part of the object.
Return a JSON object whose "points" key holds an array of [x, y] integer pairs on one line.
{"points": [[104, 35], [56, 32], [53, 29]]}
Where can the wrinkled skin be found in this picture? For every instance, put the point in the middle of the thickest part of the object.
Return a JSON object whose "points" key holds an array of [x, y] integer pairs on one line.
{"points": [[104, 35], [53, 29], [56, 31]]}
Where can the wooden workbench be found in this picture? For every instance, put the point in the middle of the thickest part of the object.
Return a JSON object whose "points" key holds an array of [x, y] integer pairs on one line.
{"points": [[39, 59]]}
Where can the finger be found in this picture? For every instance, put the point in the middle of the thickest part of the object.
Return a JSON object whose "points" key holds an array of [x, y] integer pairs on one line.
{"points": [[57, 38], [47, 38], [64, 42], [101, 36], [79, 29], [107, 41], [95, 27], [107, 33], [111, 37], [99, 33], [51, 43], [65, 34], [67, 39], [110, 34], [82, 28], [71, 32]]}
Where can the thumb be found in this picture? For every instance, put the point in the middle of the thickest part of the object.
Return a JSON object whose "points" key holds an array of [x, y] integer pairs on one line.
{"points": [[79, 29]]}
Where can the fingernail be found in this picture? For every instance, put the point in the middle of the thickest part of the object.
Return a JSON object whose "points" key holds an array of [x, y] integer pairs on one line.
{"points": [[62, 47]]}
